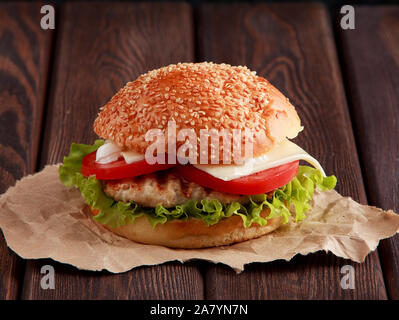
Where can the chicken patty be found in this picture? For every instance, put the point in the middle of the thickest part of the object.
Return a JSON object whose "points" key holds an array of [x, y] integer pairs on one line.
{"points": [[165, 188]]}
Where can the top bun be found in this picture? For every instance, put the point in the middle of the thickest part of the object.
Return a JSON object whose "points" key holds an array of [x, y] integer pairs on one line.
{"points": [[198, 96]]}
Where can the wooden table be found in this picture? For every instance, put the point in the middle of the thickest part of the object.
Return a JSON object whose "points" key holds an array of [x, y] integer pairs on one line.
{"points": [[344, 83]]}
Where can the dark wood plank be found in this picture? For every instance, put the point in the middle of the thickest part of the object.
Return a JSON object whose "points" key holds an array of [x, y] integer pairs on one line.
{"points": [[100, 47], [371, 62], [292, 45], [24, 62], [169, 281]]}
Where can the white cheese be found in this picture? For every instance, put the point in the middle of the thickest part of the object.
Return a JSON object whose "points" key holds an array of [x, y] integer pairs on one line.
{"points": [[132, 156], [110, 152], [283, 153]]}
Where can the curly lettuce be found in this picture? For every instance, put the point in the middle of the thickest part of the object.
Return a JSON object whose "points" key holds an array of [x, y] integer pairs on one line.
{"points": [[290, 200]]}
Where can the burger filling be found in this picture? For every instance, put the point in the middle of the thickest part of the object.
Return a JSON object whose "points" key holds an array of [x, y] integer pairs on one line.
{"points": [[121, 186], [166, 188]]}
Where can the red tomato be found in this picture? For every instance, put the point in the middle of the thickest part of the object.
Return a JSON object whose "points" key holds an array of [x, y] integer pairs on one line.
{"points": [[257, 183], [118, 169]]}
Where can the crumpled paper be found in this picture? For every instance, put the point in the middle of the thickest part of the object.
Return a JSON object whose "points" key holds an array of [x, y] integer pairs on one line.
{"points": [[41, 218]]}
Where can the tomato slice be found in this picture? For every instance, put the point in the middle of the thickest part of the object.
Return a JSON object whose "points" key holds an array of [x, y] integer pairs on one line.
{"points": [[257, 183], [118, 169]]}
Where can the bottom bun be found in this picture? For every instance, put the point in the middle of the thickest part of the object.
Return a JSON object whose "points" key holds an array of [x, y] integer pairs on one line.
{"points": [[193, 233]]}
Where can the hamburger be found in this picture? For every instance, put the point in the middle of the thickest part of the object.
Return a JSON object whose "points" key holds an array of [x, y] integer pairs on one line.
{"points": [[172, 167]]}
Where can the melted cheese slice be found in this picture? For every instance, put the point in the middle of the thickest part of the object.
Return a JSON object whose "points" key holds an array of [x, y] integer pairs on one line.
{"points": [[283, 153]]}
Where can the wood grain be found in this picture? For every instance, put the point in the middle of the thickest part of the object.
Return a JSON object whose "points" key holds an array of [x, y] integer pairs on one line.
{"points": [[292, 45], [370, 55], [100, 47], [169, 281], [24, 65]]}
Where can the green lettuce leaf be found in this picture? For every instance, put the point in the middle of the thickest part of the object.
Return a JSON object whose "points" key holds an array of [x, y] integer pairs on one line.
{"points": [[290, 200]]}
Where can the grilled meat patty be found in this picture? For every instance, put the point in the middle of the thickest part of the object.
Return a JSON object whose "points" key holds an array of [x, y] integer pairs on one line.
{"points": [[165, 188]]}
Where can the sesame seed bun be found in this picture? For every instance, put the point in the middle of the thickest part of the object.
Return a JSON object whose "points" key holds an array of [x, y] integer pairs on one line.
{"points": [[198, 96], [193, 233]]}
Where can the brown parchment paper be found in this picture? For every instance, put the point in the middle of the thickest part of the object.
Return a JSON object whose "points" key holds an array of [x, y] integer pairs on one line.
{"points": [[40, 218]]}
